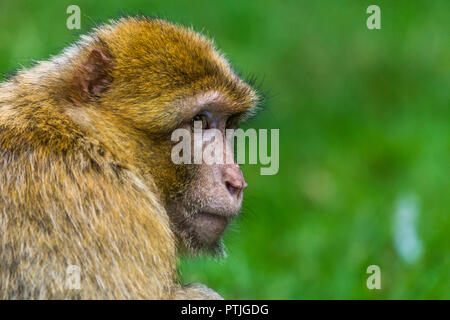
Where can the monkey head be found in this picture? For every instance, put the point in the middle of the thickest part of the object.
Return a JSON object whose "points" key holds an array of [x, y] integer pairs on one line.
{"points": [[146, 78]]}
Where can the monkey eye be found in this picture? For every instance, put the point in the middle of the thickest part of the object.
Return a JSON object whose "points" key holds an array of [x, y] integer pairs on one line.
{"points": [[202, 118]]}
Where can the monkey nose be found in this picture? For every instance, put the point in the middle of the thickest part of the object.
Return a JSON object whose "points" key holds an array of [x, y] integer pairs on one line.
{"points": [[234, 180]]}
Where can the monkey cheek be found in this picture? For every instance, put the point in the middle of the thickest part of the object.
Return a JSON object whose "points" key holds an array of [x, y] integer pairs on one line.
{"points": [[209, 227]]}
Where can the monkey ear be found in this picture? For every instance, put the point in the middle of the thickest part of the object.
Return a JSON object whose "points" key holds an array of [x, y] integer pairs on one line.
{"points": [[92, 77]]}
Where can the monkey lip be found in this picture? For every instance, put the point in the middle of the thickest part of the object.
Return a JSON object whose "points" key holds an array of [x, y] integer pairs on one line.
{"points": [[213, 218]]}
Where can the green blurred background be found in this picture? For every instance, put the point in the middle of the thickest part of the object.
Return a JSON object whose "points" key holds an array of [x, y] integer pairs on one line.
{"points": [[364, 139]]}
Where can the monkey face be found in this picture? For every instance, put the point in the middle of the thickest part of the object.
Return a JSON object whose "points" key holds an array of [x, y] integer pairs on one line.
{"points": [[202, 206]]}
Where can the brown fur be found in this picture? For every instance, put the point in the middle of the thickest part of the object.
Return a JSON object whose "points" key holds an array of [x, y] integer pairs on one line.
{"points": [[84, 161]]}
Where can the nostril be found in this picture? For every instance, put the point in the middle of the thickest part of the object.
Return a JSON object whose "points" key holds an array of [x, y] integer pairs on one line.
{"points": [[233, 180], [231, 189]]}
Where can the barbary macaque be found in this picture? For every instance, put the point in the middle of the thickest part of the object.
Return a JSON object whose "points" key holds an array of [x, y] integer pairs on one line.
{"points": [[86, 176]]}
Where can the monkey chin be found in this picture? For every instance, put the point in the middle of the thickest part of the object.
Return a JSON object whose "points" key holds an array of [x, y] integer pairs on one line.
{"points": [[209, 227], [206, 232]]}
